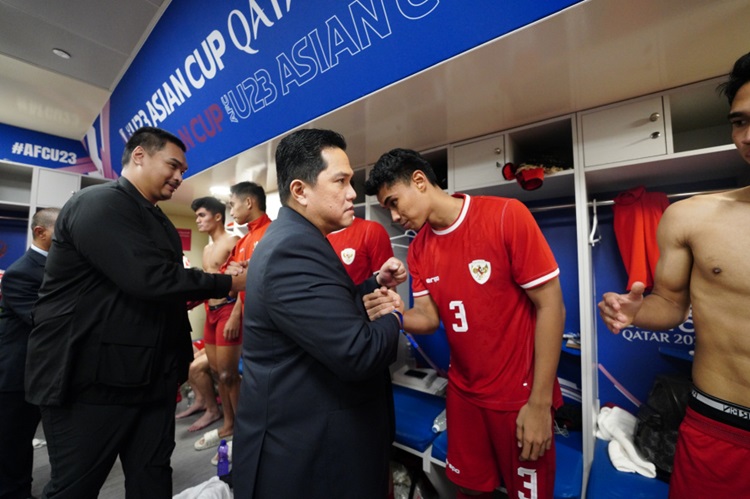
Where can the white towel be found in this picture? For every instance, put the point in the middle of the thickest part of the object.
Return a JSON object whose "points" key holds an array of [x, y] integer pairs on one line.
{"points": [[618, 426], [213, 488]]}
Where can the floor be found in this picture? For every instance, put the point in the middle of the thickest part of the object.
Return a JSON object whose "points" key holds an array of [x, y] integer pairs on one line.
{"points": [[190, 467]]}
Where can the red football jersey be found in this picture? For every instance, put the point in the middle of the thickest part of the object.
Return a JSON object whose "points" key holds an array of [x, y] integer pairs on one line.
{"points": [[476, 272], [244, 248], [362, 247]]}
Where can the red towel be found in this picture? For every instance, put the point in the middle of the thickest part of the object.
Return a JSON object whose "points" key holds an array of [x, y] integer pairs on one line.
{"points": [[637, 214]]}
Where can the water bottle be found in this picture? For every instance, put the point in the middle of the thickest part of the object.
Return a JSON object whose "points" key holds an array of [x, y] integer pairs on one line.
{"points": [[222, 467], [440, 423]]}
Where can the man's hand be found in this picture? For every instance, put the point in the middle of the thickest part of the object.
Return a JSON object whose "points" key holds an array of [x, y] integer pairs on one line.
{"points": [[232, 326], [382, 301], [392, 273], [534, 431], [619, 310], [236, 268]]}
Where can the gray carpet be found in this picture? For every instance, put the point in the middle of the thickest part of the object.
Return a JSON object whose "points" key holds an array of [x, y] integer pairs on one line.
{"points": [[190, 467]]}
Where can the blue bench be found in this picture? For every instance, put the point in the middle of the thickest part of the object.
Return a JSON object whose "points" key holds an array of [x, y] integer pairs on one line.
{"points": [[415, 412], [605, 482]]}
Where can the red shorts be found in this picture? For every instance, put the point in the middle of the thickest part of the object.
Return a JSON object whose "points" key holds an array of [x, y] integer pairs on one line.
{"points": [[712, 456], [213, 331], [483, 453]]}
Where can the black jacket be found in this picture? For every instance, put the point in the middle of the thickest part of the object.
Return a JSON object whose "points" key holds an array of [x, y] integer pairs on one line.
{"points": [[315, 417], [20, 289], [111, 322]]}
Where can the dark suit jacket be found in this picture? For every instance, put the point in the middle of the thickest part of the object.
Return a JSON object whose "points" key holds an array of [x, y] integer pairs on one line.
{"points": [[111, 322], [316, 410], [20, 289]]}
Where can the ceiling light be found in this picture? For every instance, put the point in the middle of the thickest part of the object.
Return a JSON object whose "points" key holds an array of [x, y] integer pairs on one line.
{"points": [[61, 53], [220, 191]]}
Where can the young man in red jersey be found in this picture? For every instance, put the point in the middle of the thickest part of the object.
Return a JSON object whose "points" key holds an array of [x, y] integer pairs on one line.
{"points": [[482, 266]]}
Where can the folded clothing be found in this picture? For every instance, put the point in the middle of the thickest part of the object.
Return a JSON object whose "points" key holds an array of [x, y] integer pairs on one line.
{"points": [[618, 426]]}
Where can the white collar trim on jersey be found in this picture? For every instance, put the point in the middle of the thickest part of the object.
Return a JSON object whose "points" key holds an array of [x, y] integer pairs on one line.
{"points": [[457, 223]]}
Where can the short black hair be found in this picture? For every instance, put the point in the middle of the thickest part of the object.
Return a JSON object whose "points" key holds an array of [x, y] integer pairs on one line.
{"points": [[250, 189], [397, 165], [737, 78], [151, 139], [298, 157], [211, 204], [45, 217]]}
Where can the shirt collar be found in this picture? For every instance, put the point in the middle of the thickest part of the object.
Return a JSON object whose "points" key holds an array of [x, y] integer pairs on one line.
{"points": [[39, 250]]}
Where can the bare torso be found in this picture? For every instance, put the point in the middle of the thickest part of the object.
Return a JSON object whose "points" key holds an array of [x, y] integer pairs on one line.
{"points": [[717, 233], [215, 253]]}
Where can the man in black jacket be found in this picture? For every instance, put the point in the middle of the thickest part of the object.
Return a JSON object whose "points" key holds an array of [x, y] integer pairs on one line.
{"points": [[315, 418], [111, 338], [18, 418]]}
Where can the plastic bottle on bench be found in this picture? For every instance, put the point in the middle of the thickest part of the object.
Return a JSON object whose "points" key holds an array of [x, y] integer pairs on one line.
{"points": [[222, 467], [440, 423]]}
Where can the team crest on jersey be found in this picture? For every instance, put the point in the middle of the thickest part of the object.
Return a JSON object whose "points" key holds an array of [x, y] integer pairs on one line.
{"points": [[347, 255], [480, 270]]}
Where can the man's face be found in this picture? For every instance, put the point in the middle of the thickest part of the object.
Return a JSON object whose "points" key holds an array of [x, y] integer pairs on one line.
{"points": [[205, 220], [161, 173], [739, 117], [239, 208], [330, 202], [405, 203]]}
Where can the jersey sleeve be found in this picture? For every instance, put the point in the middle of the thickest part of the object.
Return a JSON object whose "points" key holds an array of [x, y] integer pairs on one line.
{"points": [[532, 261], [417, 285]]}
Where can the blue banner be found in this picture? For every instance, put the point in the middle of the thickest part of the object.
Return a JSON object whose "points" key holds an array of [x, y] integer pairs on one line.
{"points": [[226, 76], [40, 149]]}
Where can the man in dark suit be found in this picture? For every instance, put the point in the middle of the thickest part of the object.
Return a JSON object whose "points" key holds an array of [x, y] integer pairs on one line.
{"points": [[111, 337], [18, 418], [315, 417]]}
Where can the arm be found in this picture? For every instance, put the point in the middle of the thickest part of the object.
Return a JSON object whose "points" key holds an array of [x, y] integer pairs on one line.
{"points": [[668, 304], [310, 305], [117, 239], [20, 292], [234, 323], [423, 318], [534, 422]]}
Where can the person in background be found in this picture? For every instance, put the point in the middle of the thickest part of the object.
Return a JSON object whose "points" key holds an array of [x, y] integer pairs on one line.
{"points": [[111, 337], [247, 205], [482, 266], [362, 247], [316, 411], [703, 244], [209, 217], [19, 419]]}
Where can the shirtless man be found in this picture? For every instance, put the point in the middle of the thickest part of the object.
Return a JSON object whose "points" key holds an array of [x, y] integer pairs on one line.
{"points": [[703, 243], [247, 205], [210, 217]]}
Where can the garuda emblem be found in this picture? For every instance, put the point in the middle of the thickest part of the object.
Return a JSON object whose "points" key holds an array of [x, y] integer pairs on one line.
{"points": [[347, 255], [480, 270]]}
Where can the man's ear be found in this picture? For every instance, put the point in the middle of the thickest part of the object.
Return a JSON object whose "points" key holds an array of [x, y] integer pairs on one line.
{"points": [[136, 157], [419, 179], [298, 190]]}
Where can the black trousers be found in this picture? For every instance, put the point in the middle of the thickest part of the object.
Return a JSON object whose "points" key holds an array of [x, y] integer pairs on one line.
{"points": [[18, 424], [84, 440]]}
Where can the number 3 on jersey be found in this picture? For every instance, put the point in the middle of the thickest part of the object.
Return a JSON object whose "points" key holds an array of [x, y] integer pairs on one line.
{"points": [[460, 325]]}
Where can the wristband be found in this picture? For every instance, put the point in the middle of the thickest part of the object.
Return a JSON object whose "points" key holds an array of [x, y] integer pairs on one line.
{"points": [[400, 320]]}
